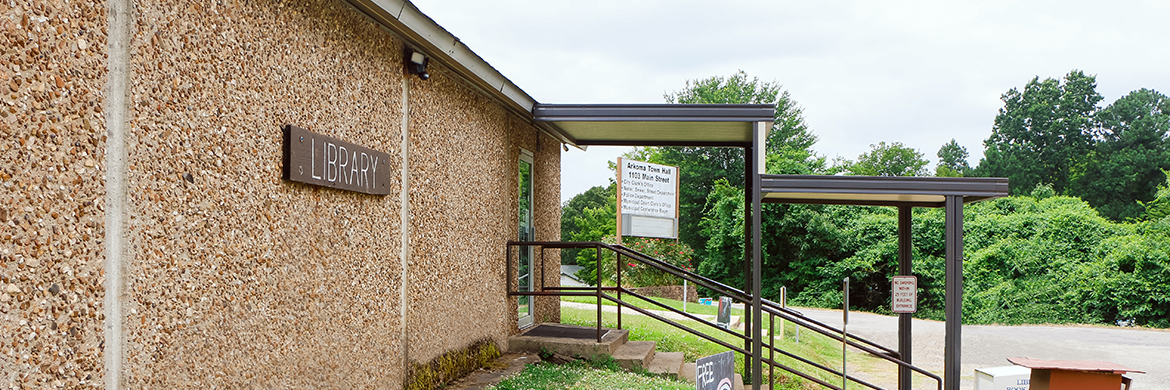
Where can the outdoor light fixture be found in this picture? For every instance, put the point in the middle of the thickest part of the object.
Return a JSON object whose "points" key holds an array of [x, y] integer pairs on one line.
{"points": [[416, 63]]}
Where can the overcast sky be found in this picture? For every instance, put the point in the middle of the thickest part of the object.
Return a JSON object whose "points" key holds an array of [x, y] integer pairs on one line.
{"points": [[916, 72]]}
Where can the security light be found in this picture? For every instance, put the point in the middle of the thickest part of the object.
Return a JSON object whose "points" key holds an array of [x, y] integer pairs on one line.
{"points": [[416, 63]]}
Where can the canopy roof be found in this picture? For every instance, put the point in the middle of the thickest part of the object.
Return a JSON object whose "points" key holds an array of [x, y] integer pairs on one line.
{"points": [[654, 124], [879, 190]]}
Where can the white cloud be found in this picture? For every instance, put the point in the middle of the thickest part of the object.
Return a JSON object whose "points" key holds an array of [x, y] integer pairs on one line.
{"points": [[916, 72]]}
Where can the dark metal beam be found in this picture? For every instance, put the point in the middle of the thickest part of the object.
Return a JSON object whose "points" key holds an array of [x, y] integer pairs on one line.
{"points": [[654, 112], [753, 155], [854, 202], [954, 294], [905, 265], [879, 189], [748, 189], [653, 124], [585, 142]]}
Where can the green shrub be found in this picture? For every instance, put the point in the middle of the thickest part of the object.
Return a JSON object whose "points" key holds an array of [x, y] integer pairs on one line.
{"points": [[634, 273]]}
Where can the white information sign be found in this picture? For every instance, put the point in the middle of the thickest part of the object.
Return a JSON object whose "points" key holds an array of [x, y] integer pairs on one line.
{"points": [[649, 199], [904, 294], [648, 189]]}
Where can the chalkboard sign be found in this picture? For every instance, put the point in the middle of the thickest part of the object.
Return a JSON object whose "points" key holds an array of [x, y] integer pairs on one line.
{"points": [[723, 317], [715, 372]]}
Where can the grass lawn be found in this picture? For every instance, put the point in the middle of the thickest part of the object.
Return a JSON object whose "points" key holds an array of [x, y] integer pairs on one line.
{"points": [[598, 375], [605, 374], [814, 347], [693, 308]]}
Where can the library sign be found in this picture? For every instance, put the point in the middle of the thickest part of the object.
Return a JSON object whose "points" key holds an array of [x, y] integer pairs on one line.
{"points": [[647, 199], [325, 161]]}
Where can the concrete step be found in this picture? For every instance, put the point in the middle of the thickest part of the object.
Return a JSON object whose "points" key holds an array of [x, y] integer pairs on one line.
{"points": [[585, 347], [666, 363], [687, 371], [635, 354]]}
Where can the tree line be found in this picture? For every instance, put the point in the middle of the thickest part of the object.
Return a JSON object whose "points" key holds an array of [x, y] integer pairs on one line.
{"points": [[1084, 237]]}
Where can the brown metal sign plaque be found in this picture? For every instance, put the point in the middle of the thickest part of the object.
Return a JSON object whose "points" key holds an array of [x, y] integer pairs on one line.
{"points": [[325, 161]]}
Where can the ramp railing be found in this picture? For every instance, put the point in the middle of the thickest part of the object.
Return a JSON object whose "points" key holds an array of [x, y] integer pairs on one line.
{"points": [[615, 294]]}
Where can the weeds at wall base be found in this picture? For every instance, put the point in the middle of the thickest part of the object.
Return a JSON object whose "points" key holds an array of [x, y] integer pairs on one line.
{"points": [[451, 366]]}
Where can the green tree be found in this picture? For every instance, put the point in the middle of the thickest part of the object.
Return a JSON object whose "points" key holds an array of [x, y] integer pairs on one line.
{"points": [[1132, 279], [1126, 164], [952, 160], [594, 224], [789, 131], [572, 212], [1043, 133], [800, 241], [893, 159], [1043, 258], [700, 167], [1158, 208]]}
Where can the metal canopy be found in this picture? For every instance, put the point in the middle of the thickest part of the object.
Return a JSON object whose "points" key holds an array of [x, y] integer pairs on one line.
{"points": [[904, 193], [727, 125], [654, 124], [879, 190]]}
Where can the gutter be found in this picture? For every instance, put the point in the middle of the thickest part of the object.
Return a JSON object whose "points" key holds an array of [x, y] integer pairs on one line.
{"points": [[420, 31]]}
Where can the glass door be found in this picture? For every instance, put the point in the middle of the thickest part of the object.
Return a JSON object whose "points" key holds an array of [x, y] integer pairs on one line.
{"points": [[527, 233]]}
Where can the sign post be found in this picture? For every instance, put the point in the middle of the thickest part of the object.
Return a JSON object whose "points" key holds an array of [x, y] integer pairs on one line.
{"points": [[904, 294], [844, 332]]}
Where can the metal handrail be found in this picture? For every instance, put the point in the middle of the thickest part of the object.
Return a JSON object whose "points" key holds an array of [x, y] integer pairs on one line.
{"points": [[744, 297], [717, 341], [741, 336], [785, 313], [768, 306]]}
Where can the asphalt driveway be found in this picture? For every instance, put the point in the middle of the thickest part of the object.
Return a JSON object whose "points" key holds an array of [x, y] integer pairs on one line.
{"points": [[991, 345]]}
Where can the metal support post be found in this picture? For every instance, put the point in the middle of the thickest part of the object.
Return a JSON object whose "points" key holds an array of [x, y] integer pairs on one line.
{"points": [[598, 279], [748, 177], [619, 285], [756, 319], [783, 305], [905, 262], [953, 339]]}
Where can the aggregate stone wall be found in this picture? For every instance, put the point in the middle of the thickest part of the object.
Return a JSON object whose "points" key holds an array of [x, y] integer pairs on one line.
{"points": [[52, 72], [547, 196], [464, 204], [233, 277], [239, 279]]}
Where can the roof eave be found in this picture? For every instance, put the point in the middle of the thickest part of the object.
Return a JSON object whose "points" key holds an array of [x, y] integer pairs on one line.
{"points": [[422, 33]]}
